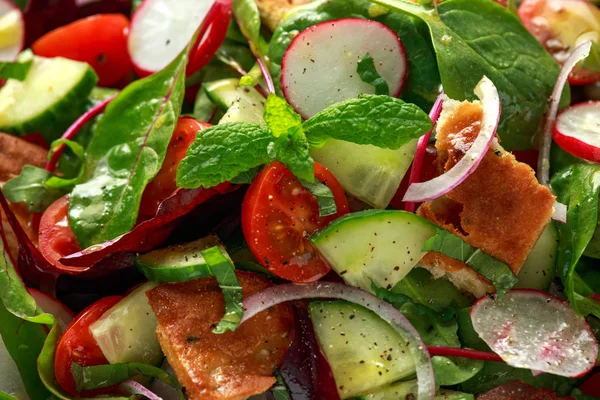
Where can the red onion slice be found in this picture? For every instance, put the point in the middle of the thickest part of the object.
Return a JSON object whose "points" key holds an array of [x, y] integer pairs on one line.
{"points": [[131, 387], [438, 186], [289, 292], [580, 52], [417, 164], [560, 212]]}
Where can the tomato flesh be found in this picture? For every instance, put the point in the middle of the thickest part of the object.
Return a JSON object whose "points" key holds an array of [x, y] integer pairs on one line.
{"points": [[163, 185], [278, 216], [56, 239], [559, 25], [77, 345], [99, 40]]}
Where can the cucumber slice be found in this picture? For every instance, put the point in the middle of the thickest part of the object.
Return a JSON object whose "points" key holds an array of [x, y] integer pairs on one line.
{"points": [[408, 390], [126, 332], [178, 263], [52, 96], [364, 351], [241, 103], [374, 245], [538, 270], [369, 173]]}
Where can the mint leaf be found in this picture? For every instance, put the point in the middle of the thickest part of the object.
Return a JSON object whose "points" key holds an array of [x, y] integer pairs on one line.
{"points": [[324, 197], [18, 69], [247, 80], [30, 188], [224, 271], [381, 121], [493, 269], [368, 74], [280, 116], [222, 152]]}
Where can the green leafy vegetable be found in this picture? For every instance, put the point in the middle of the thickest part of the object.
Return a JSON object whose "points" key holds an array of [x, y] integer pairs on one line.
{"points": [[223, 152], [247, 80], [473, 38], [493, 269], [422, 83], [578, 187], [101, 376], [30, 187], [592, 62], [324, 197], [381, 121], [126, 152], [6, 396], [248, 18], [77, 150], [368, 74], [18, 69], [224, 271]]}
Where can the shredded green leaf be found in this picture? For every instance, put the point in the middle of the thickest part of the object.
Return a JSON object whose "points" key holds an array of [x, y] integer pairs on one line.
{"points": [[18, 69], [224, 271], [368, 74], [493, 269], [324, 197]]}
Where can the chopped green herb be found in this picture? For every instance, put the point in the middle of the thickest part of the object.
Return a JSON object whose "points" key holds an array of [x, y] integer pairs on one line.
{"points": [[368, 74]]}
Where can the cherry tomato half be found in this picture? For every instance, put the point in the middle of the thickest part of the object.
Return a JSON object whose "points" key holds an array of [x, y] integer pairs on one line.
{"points": [[278, 215], [163, 184], [99, 40], [56, 239], [77, 345], [559, 25]]}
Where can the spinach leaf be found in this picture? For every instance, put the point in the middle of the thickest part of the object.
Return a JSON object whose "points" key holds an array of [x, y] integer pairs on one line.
{"points": [[248, 18], [382, 121], [493, 269], [368, 74], [30, 187], [224, 271], [126, 152], [324, 197], [6, 396], [78, 152], [290, 145], [578, 187], [24, 341], [579, 395], [223, 152], [422, 84], [448, 370], [473, 38], [18, 69]]}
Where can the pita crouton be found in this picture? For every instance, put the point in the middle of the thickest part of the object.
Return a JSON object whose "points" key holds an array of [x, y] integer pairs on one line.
{"points": [[500, 208], [230, 366], [272, 12], [15, 153]]}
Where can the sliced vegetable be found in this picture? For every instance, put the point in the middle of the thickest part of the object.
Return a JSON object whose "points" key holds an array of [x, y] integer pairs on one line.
{"points": [[332, 46], [436, 187], [538, 270], [576, 130], [126, 332], [284, 293], [226, 93], [493, 269], [533, 329], [374, 246], [50, 305], [364, 352], [18, 69], [51, 97], [580, 53], [12, 31], [279, 213]]}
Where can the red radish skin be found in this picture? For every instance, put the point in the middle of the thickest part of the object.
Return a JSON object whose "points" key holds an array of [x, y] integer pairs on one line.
{"points": [[309, 90], [50, 305], [540, 327], [11, 53], [578, 142]]}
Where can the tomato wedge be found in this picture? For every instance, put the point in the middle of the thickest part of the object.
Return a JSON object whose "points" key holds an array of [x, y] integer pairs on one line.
{"points": [[77, 345], [278, 215], [99, 40]]}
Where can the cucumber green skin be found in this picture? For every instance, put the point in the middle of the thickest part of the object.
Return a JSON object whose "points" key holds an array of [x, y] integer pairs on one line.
{"points": [[173, 274], [225, 92], [403, 390], [55, 120]]}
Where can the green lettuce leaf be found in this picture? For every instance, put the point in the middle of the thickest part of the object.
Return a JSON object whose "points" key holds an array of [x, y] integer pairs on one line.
{"points": [[368, 74]]}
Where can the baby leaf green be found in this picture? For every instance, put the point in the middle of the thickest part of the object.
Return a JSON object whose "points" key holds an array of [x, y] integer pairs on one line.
{"points": [[368, 74]]}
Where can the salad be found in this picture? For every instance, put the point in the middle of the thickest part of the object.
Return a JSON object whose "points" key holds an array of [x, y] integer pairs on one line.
{"points": [[284, 199]]}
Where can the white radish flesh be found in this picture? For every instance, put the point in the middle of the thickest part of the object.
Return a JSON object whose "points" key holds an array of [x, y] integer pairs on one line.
{"points": [[50, 305], [532, 329], [577, 130], [319, 66], [160, 30], [12, 31]]}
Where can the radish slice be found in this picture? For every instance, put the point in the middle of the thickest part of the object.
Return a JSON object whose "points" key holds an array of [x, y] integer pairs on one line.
{"points": [[438, 186], [283, 293], [12, 31], [535, 330], [161, 29], [580, 53], [577, 130], [319, 66], [50, 305]]}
